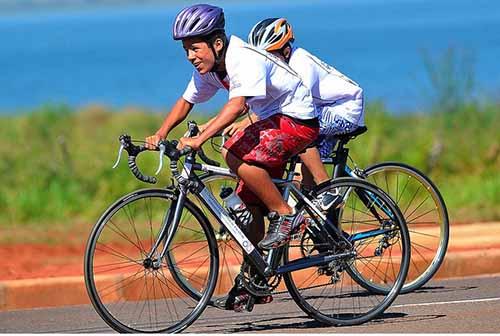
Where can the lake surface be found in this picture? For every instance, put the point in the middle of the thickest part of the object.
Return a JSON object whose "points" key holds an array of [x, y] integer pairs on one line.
{"points": [[126, 56]]}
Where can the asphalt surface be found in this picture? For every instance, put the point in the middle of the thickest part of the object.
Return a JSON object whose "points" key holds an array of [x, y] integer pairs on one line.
{"points": [[469, 305]]}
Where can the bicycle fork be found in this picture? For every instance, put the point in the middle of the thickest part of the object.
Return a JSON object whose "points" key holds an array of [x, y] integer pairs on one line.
{"points": [[169, 226]]}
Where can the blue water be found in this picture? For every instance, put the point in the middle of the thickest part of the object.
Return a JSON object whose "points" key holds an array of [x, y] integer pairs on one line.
{"points": [[125, 56]]}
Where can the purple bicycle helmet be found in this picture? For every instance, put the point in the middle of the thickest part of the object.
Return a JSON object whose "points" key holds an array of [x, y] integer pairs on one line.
{"points": [[198, 20]]}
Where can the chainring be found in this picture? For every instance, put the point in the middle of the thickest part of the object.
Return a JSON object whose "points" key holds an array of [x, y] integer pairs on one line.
{"points": [[255, 284]]}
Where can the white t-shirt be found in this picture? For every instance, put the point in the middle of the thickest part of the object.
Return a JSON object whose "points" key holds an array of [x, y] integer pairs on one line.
{"points": [[203, 87], [270, 85], [333, 92]]}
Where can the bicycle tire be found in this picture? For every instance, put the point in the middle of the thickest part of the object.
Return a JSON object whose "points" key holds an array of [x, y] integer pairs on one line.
{"points": [[429, 229], [118, 296], [336, 279]]}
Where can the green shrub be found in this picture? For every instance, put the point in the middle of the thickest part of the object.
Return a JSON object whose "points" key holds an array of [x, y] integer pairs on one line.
{"points": [[56, 162]]}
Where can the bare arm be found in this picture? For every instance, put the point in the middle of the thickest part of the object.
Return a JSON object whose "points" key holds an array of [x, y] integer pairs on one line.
{"points": [[232, 110], [240, 125], [204, 126], [178, 113]]}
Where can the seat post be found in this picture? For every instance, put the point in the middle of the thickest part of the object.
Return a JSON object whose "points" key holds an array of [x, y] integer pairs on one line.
{"points": [[341, 155]]}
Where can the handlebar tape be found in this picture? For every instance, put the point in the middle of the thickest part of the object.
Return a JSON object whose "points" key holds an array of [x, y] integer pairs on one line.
{"points": [[137, 173]]}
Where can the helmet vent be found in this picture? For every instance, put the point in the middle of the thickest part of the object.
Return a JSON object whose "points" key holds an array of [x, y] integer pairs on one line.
{"points": [[198, 20], [195, 22]]}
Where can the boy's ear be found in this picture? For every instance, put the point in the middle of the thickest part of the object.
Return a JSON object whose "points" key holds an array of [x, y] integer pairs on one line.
{"points": [[218, 44], [287, 52]]}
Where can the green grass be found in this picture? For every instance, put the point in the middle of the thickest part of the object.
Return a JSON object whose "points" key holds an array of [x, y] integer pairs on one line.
{"points": [[56, 162]]}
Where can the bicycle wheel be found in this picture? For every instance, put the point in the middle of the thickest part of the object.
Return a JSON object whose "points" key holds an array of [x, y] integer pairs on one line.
{"points": [[136, 293], [425, 214], [230, 254], [331, 293]]}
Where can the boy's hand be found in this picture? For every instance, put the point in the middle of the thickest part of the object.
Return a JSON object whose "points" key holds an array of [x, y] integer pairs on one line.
{"points": [[194, 143], [235, 127], [152, 141]]}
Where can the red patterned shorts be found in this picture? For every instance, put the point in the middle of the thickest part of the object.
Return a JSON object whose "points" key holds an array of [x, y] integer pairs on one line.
{"points": [[269, 143]]}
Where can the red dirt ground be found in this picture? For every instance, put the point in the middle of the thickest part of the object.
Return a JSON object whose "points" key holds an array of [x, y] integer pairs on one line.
{"points": [[28, 261]]}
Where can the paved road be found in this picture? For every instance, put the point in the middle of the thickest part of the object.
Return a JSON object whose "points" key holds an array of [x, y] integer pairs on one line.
{"points": [[458, 306]]}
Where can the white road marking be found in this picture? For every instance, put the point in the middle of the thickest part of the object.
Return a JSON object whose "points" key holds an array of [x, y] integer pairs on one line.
{"points": [[445, 302]]}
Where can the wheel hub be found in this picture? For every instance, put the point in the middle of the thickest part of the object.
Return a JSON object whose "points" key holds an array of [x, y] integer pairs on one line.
{"points": [[149, 263]]}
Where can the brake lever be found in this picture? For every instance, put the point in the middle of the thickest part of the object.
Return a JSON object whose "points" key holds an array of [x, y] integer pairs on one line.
{"points": [[162, 152], [223, 141], [120, 151]]}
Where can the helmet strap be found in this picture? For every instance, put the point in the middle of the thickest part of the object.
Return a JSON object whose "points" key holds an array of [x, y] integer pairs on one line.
{"points": [[218, 58]]}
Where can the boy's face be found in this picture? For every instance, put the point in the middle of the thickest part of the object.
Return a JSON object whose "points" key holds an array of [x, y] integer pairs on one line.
{"points": [[199, 54]]}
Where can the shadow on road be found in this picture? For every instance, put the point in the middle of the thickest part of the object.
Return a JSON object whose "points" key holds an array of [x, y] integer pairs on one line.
{"points": [[280, 323], [388, 318], [270, 324], [443, 289]]}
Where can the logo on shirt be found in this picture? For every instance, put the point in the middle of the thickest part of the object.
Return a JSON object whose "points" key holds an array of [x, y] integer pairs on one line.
{"points": [[234, 84]]}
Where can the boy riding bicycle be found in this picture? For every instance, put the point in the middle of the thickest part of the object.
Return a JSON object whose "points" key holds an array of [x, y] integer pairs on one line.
{"points": [[339, 100], [287, 118]]}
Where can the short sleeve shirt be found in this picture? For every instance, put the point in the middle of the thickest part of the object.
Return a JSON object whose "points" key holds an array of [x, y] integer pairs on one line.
{"points": [[203, 87], [270, 85], [329, 87]]}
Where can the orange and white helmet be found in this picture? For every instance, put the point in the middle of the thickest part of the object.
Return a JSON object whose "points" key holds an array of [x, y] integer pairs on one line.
{"points": [[271, 34]]}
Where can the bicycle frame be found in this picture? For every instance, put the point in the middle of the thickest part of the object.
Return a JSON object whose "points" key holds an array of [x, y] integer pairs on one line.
{"points": [[339, 160], [265, 265]]}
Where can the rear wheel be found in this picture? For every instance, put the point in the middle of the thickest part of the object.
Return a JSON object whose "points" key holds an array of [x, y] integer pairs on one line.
{"points": [[425, 213], [334, 293]]}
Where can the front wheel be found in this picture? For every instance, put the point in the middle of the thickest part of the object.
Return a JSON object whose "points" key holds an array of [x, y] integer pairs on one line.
{"points": [[378, 250], [425, 214], [134, 291]]}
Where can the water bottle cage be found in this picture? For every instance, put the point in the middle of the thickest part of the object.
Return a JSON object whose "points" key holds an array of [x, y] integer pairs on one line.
{"points": [[243, 217]]}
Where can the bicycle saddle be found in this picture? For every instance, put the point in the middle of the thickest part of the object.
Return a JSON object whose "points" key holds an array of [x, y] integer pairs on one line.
{"points": [[351, 135]]}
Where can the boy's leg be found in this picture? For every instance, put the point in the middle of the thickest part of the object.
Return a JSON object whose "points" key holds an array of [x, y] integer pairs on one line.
{"points": [[257, 179], [238, 296], [269, 143], [257, 227], [257, 186], [313, 170]]}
